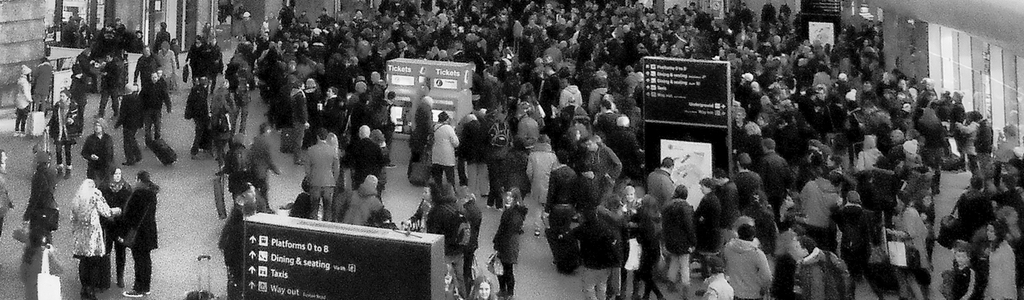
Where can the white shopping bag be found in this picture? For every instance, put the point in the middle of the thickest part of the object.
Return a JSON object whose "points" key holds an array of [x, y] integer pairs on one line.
{"points": [[47, 285], [633, 261]]}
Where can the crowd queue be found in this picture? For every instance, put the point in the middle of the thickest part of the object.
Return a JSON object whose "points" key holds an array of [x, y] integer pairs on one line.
{"points": [[828, 144]]}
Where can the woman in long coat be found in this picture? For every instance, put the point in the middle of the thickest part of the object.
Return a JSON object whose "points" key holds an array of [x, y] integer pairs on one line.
{"points": [[506, 240], [90, 244], [98, 151], [65, 129], [116, 191]]}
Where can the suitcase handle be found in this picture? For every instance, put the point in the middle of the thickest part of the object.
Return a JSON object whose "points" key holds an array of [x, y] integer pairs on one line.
{"points": [[203, 258]]}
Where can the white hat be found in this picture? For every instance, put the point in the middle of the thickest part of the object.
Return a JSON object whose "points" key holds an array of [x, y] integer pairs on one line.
{"points": [[131, 87], [748, 77], [842, 76], [246, 15]]}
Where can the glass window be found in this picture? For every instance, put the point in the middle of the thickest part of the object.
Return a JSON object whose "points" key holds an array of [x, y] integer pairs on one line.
{"points": [[996, 88], [948, 38], [935, 53]]}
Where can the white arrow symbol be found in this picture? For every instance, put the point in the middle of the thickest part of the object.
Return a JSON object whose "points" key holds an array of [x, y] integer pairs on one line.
{"points": [[252, 270], [252, 285], [252, 239], [252, 255]]}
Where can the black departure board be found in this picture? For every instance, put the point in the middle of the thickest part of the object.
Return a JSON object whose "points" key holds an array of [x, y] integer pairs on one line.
{"points": [[686, 91], [290, 258]]}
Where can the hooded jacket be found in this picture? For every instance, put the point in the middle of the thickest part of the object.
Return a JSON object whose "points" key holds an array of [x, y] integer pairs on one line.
{"points": [[822, 276], [571, 95], [677, 226], [747, 268], [444, 219], [541, 163], [818, 199], [362, 203]]}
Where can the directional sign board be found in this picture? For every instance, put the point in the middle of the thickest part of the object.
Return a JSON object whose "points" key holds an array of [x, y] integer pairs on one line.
{"points": [[290, 258], [684, 91]]}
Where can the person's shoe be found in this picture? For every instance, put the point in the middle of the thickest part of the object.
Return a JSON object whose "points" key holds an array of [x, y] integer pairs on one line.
{"points": [[120, 283], [60, 171], [536, 233], [134, 294], [67, 173], [287, 206], [391, 166]]}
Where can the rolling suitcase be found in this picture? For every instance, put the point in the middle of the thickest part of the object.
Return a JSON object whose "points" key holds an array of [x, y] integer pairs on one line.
{"points": [[163, 152], [36, 122], [219, 185], [202, 291]]}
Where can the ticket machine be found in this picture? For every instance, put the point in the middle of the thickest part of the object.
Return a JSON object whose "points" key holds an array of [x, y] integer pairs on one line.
{"points": [[447, 83]]}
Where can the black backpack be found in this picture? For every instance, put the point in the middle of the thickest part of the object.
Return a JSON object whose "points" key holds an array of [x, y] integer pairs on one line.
{"points": [[463, 233], [499, 134]]}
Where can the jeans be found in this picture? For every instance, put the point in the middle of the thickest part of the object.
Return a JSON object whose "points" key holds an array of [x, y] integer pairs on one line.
{"points": [[476, 175], [679, 268], [239, 119], [507, 281], [151, 124], [467, 270], [21, 117], [201, 139], [63, 154], [439, 173], [457, 262], [132, 153], [595, 282], [114, 101], [494, 166], [143, 270], [324, 194]]}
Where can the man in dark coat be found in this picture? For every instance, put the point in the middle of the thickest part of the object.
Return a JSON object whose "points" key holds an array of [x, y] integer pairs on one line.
{"points": [[365, 157], [974, 208], [41, 199], [421, 130], [197, 109], [599, 253], [111, 84], [776, 174], [154, 96], [444, 218], [561, 185], [98, 151], [42, 82], [147, 64], [747, 182], [140, 214], [855, 223], [707, 218], [659, 182], [475, 217], [232, 240], [680, 237], [131, 119], [623, 142]]}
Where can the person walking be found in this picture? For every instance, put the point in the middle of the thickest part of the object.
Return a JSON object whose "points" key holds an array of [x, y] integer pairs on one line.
{"points": [[222, 107], [472, 152], [41, 199], [116, 192], [42, 83], [261, 161], [168, 62], [90, 245], [648, 232], [680, 238], [746, 265], [154, 97], [131, 119], [365, 157], [36, 248], [506, 241], [444, 218], [145, 65], [442, 153], [323, 172], [64, 132], [542, 162], [706, 219], [111, 85], [98, 151], [232, 240], [140, 216], [599, 253], [197, 109], [5, 195]]}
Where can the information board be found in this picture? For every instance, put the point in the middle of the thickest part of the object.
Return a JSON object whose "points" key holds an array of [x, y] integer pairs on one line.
{"points": [[290, 258], [692, 92]]}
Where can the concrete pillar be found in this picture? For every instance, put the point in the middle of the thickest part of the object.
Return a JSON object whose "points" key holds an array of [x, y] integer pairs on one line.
{"points": [[21, 42]]}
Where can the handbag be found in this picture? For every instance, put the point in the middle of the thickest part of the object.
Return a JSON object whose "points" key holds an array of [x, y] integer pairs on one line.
{"points": [[47, 285], [186, 73], [494, 265], [633, 261], [47, 218]]}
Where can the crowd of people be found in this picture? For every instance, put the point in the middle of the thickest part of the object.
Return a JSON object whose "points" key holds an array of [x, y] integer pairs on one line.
{"points": [[828, 144]]}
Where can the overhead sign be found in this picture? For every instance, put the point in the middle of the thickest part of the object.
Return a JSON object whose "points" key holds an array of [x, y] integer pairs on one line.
{"points": [[456, 75], [447, 84], [693, 92], [290, 258]]}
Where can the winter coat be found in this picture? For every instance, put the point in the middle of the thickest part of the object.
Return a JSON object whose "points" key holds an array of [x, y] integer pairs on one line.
{"points": [[103, 147], [44, 181], [599, 248], [444, 219], [1001, 284], [915, 233], [747, 268], [510, 228], [85, 226], [366, 158], [64, 124], [140, 212], [661, 186], [706, 219], [445, 142], [324, 165], [818, 199], [421, 129], [5, 197], [475, 217], [232, 241], [678, 227], [561, 187], [542, 162], [748, 184], [472, 142], [260, 159], [131, 112], [116, 196], [822, 276], [623, 142], [197, 106], [360, 205], [528, 131], [603, 162], [570, 96], [776, 174], [24, 96]]}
